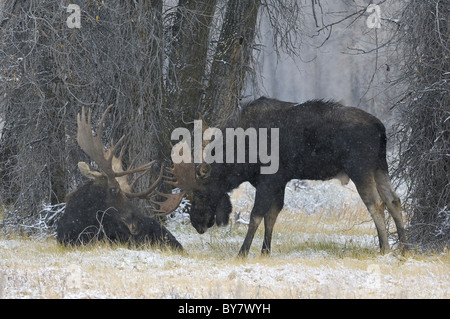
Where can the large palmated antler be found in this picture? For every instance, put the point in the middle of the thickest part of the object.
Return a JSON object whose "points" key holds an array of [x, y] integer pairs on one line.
{"points": [[183, 177], [170, 204], [110, 165]]}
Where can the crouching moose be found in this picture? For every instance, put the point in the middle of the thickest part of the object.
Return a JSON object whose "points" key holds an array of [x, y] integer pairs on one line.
{"points": [[317, 140], [101, 209]]}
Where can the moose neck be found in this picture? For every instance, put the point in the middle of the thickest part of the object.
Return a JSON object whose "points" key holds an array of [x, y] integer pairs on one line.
{"points": [[228, 176]]}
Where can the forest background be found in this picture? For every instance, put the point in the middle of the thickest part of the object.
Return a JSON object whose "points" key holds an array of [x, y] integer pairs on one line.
{"points": [[161, 63]]}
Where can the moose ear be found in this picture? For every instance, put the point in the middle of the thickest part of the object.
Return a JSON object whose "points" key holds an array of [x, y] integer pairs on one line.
{"points": [[202, 171], [86, 171]]}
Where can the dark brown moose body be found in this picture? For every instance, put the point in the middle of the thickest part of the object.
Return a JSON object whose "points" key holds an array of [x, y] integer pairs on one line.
{"points": [[318, 140], [102, 208], [94, 213]]}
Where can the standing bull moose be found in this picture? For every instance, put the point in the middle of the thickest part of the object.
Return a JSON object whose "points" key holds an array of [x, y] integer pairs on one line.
{"points": [[318, 140], [102, 207]]}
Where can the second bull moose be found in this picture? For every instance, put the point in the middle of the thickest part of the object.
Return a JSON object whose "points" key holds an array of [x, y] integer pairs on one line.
{"points": [[102, 209], [318, 140]]}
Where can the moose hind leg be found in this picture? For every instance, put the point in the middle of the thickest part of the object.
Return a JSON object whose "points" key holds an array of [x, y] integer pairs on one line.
{"points": [[269, 221], [367, 189], [393, 204]]}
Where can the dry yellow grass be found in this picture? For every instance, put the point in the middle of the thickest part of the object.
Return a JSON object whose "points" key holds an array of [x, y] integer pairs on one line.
{"points": [[30, 269], [324, 254]]}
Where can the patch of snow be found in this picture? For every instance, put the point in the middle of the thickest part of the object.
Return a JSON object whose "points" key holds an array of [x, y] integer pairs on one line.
{"points": [[123, 273], [208, 269]]}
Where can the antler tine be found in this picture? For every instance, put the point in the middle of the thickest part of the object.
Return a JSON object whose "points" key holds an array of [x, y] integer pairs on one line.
{"points": [[170, 204], [112, 150], [118, 170], [121, 177], [144, 167], [149, 190], [137, 178], [134, 160]]}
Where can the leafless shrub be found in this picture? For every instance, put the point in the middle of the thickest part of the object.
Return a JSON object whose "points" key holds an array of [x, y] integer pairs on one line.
{"points": [[49, 70], [423, 130], [138, 56]]}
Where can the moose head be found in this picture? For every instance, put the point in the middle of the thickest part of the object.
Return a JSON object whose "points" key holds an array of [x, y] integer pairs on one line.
{"points": [[102, 208]]}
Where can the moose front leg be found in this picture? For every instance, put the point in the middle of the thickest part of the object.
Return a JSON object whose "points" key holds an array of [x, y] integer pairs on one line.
{"points": [[252, 227], [267, 205]]}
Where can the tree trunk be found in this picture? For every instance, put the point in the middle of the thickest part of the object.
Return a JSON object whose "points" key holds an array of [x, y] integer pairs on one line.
{"points": [[231, 61], [188, 59]]}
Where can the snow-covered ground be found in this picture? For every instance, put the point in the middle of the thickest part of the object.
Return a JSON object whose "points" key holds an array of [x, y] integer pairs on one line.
{"points": [[321, 249]]}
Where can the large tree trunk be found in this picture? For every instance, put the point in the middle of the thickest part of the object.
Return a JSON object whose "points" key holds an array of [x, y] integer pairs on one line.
{"points": [[231, 61], [188, 59]]}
